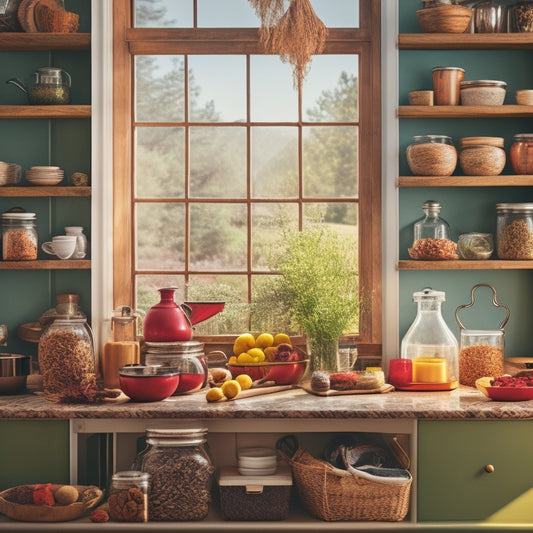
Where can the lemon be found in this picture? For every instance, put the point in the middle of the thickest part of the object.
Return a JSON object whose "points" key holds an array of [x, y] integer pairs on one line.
{"points": [[232, 360], [214, 394], [282, 338], [264, 340], [257, 354], [270, 353], [245, 358], [244, 380], [243, 343], [231, 388]]}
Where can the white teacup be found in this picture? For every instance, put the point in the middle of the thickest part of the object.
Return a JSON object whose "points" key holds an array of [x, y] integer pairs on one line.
{"points": [[63, 246]]}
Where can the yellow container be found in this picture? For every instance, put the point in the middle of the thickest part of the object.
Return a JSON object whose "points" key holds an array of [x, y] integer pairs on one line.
{"points": [[430, 370]]}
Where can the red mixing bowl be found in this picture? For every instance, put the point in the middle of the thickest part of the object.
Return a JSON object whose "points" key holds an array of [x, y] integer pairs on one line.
{"points": [[148, 383]]}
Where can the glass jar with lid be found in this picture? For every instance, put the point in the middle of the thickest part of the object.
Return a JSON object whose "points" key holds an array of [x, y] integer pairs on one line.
{"points": [[521, 153], [128, 496], [67, 362], [521, 16], [431, 235], [430, 345], [19, 236], [514, 230], [431, 155], [180, 471]]}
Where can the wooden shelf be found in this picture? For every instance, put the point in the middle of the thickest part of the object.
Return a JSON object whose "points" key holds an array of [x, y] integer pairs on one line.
{"points": [[43, 191], [20, 41], [47, 264], [45, 111], [462, 264], [514, 180], [465, 41], [464, 111]]}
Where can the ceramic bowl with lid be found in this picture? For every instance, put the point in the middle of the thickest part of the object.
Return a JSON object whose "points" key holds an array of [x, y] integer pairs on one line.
{"points": [[483, 92]]}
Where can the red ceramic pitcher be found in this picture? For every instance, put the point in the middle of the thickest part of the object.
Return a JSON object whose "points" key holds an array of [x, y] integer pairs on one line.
{"points": [[167, 321]]}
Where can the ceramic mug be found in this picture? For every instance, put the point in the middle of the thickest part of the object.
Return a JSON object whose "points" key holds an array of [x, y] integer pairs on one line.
{"points": [[63, 246]]}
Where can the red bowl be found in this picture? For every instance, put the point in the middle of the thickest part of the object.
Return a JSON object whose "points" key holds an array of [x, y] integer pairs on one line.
{"points": [[504, 394], [148, 383], [280, 372]]}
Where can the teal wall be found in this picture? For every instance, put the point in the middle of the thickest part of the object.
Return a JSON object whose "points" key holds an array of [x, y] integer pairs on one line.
{"points": [[465, 209], [26, 294]]}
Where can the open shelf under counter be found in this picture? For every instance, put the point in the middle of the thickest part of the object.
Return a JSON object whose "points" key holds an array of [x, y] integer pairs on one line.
{"points": [[465, 111], [465, 41], [21, 41], [514, 180], [45, 111], [47, 264], [465, 264], [44, 191]]}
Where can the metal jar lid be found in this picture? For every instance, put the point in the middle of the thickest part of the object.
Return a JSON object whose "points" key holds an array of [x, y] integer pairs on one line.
{"points": [[175, 348], [515, 208], [422, 139], [483, 83], [448, 68], [525, 137]]}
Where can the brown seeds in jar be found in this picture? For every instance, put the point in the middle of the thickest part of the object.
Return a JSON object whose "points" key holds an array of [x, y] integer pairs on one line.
{"points": [[128, 505], [433, 249], [515, 241], [479, 360], [19, 244]]}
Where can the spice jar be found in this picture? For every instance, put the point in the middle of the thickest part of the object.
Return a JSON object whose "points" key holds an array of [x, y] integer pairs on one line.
{"points": [[481, 352], [521, 16], [180, 471], [521, 153], [514, 231], [431, 155], [482, 156], [475, 245], [431, 236], [19, 236], [128, 496]]}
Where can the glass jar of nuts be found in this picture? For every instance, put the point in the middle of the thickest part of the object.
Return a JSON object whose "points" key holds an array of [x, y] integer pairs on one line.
{"points": [[19, 236], [514, 231], [128, 496]]}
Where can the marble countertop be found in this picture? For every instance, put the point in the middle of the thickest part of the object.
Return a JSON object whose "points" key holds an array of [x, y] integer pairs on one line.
{"points": [[463, 403]]}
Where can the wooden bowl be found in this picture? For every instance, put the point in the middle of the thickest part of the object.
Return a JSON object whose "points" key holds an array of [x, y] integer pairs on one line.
{"points": [[524, 97], [444, 19], [420, 98]]}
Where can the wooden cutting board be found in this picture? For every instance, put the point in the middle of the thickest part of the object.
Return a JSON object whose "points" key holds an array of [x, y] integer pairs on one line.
{"points": [[257, 391], [331, 392]]}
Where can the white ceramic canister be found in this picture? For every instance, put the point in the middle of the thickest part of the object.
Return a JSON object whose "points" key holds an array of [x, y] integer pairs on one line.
{"points": [[81, 241]]}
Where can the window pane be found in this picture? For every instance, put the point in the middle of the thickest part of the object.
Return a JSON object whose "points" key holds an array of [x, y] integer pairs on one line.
{"points": [[266, 236], [330, 90], [273, 98], [226, 14], [160, 162], [218, 237], [274, 162], [341, 216], [163, 13], [330, 161], [159, 89], [147, 289], [217, 88], [160, 231], [337, 13], [218, 162]]}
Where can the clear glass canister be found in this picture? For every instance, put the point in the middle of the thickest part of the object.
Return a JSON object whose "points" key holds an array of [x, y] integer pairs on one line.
{"points": [[521, 151], [128, 496], [19, 236], [475, 245], [67, 362], [521, 16], [481, 354], [180, 471], [514, 231], [431, 155], [431, 235], [81, 241], [430, 344]]}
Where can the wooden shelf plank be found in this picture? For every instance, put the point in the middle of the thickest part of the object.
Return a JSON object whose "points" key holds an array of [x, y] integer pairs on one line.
{"points": [[45, 111], [44, 191], [472, 41], [20, 41], [461, 264], [464, 111], [47, 264], [514, 180]]}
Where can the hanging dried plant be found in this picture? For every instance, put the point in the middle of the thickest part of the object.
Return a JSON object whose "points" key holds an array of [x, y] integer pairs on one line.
{"points": [[295, 36]]}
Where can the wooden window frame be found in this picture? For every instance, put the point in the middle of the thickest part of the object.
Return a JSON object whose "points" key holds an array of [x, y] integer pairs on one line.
{"points": [[129, 41]]}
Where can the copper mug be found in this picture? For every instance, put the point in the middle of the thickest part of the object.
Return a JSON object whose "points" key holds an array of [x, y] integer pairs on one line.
{"points": [[447, 85]]}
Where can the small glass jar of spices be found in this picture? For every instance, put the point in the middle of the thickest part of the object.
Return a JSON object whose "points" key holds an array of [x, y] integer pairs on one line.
{"points": [[128, 496], [521, 153], [19, 236], [514, 231]]}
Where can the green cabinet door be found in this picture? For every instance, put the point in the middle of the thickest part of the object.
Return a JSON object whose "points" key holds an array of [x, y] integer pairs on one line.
{"points": [[33, 451], [453, 484]]}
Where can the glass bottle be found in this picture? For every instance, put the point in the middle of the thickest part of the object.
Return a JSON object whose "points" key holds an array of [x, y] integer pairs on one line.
{"points": [[180, 471], [19, 236], [128, 496], [430, 345]]}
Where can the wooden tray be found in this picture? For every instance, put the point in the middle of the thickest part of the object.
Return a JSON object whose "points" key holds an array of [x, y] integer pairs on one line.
{"points": [[89, 497], [331, 392]]}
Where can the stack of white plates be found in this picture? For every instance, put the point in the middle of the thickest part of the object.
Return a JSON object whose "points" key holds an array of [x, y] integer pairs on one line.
{"points": [[45, 175], [257, 461], [9, 173]]}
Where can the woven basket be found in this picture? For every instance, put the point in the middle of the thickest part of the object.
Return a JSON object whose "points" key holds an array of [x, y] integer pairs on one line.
{"points": [[334, 494]]}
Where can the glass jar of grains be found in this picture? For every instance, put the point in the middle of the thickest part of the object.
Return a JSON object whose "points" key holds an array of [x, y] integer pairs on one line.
{"points": [[521, 153], [514, 231], [521, 16], [180, 471], [19, 236], [431, 155], [128, 496]]}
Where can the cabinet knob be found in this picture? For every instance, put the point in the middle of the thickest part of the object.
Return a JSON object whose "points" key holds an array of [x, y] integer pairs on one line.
{"points": [[489, 469]]}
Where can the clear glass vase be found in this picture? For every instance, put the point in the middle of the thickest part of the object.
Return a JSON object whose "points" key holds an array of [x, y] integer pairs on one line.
{"points": [[323, 354]]}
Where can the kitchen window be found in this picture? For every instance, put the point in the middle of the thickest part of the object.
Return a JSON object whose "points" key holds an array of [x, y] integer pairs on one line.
{"points": [[214, 146]]}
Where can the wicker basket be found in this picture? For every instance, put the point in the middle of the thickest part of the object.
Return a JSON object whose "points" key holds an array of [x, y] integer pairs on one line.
{"points": [[334, 494]]}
